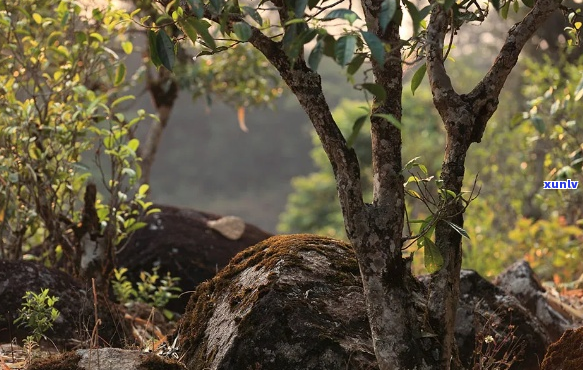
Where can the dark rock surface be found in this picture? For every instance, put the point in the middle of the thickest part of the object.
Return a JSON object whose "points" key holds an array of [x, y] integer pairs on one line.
{"points": [[486, 310], [106, 359], [566, 353], [75, 324], [290, 302], [180, 241], [296, 302], [520, 281]]}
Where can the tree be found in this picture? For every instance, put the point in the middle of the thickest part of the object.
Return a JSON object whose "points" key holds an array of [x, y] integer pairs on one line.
{"points": [[62, 91], [409, 328]]}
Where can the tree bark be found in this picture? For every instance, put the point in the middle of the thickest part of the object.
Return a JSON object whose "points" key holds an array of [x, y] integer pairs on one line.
{"points": [[465, 118]]}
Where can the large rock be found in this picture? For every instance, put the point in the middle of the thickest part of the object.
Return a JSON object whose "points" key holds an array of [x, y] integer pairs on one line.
{"points": [[296, 302], [491, 324], [191, 245], [75, 324], [520, 280], [567, 353], [290, 302]]}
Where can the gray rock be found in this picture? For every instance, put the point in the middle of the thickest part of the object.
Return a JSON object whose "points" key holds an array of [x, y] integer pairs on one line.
{"points": [[106, 359], [520, 281], [485, 312]]}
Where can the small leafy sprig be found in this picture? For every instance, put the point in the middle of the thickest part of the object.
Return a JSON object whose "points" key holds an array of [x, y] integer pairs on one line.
{"points": [[38, 313]]}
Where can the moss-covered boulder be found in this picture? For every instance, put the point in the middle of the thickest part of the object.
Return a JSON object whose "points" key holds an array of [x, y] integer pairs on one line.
{"points": [[190, 244], [76, 322], [290, 302], [296, 302]]}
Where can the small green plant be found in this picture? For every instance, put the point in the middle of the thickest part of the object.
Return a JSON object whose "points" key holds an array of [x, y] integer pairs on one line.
{"points": [[38, 313], [153, 289]]}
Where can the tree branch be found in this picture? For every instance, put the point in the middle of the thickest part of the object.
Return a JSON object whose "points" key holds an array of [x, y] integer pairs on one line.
{"points": [[484, 96], [306, 86], [518, 36], [441, 87]]}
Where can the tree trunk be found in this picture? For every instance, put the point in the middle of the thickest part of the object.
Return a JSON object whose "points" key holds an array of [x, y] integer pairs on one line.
{"points": [[465, 118], [164, 92]]}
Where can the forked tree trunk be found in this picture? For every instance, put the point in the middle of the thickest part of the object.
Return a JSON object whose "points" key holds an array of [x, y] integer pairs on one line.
{"points": [[410, 329], [465, 118]]}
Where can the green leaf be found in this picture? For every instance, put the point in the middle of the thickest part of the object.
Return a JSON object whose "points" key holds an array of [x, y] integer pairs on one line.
{"points": [[356, 129], [143, 189], [391, 119], [515, 6], [37, 18], [539, 123], [152, 41], [418, 77], [202, 30], [294, 45], [188, 29], [347, 14], [316, 55], [254, 14], [432, 256], [96, 36], [299, 7], [377, 49], [120, 74], [355, 64], [496, 4], [412, 163], [242, 30], [312, 4], [377, 90], [165, 49], [528, 3], [416, 16], [458, 229], [504, 10], [428, 231], [216, 5], [344, 50], [133, 144], [197, 8], [127, 47], [120, 100], [329, 46], [388, 9]]}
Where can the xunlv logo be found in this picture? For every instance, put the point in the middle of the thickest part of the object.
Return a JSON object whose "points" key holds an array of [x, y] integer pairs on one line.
{"points": [[568, 184]]}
